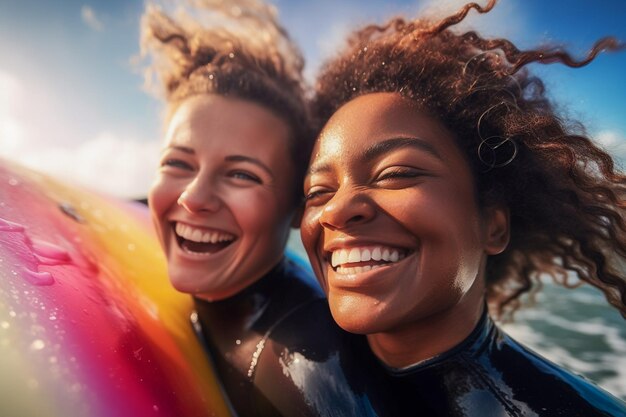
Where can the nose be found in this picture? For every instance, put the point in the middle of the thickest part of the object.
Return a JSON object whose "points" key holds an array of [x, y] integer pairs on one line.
{"points": [[347, 208], [199, 196]]}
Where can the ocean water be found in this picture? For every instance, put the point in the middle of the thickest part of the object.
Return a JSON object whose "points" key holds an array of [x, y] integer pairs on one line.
{"points": [[575, 328]]}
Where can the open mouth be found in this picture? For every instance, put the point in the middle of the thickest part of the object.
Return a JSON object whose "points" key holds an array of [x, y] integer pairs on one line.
{"points": [[362, 259], [201, 241]]}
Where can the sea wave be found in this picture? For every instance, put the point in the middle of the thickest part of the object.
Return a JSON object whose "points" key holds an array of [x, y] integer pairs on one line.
{"points": [[576, 328]]}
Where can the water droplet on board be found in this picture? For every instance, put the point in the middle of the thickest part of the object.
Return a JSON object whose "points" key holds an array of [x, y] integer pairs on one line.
{"points": [[37, 278], [49, 250]]}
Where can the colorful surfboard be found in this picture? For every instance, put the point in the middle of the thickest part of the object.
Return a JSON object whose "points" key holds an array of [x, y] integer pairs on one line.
{"points": [[89, 325]]}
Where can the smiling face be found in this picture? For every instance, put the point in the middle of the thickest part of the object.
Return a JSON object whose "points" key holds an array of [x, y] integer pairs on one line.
{"points": [[222, 200], [391, 223]]}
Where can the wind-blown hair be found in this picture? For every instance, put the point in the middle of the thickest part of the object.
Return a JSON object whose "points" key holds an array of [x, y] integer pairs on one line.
{"points": [[566, 199], [234, 48]]}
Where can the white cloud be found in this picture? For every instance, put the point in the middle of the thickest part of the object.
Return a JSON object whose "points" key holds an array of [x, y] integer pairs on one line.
{"points": [[613, 142], [34, 132], [89, 17], [114, 165], [123, 167]]}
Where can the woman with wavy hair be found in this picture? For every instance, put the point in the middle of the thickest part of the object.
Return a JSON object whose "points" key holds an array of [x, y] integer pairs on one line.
{"points": [[226, 192], [443, 187]]}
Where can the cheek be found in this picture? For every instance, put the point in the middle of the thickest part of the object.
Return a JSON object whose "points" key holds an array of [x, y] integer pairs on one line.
{"points": [[310, 228], [259, 214], [158, 196]]}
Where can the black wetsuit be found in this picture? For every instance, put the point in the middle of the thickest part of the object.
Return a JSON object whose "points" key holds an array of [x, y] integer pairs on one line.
{"points": [[278, 351], [489, 374]]}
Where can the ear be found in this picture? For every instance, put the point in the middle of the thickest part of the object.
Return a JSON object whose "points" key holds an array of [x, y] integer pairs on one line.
{"points": [[498, 229], [297, 216]]}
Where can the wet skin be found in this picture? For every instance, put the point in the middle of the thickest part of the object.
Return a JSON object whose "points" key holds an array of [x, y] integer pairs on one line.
{"points": [[219, 202], [224, 178], [387, 180]]}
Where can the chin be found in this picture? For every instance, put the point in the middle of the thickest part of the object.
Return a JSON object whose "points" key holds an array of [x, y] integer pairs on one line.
{"points": [[353, 318], [181, 286], [183, 282]]}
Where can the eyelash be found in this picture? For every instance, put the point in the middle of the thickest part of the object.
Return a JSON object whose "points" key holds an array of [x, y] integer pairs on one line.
{"points": [[176, 163], [399, 172], [243, 175], [314, 194]]}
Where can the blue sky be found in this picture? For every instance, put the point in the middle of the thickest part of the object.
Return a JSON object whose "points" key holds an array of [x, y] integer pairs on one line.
{"points": [[71, 103]]}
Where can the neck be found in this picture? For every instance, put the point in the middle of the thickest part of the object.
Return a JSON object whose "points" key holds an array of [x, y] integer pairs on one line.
{"points": [[430, 336]]}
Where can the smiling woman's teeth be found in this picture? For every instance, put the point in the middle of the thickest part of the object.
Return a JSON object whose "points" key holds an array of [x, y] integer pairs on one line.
{"points": [[201, 236], [380, 254]]}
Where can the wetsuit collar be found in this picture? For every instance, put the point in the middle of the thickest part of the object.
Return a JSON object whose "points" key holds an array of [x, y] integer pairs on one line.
{"points": [[471, 345]]}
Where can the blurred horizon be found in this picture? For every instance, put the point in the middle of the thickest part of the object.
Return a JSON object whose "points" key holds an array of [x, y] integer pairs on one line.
{"points": [[72, 105]]}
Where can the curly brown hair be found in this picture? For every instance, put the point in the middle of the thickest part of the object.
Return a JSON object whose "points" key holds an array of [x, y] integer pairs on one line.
{"points": [[236, 49], [565, 197]]}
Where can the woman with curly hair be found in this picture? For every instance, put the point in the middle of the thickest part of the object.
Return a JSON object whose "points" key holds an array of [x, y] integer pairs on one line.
{"points": [[238, 138], [442, 187]]}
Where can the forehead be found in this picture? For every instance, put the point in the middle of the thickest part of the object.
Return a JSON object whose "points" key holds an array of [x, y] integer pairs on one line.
{"points": [[372, 118], [215, 121]]}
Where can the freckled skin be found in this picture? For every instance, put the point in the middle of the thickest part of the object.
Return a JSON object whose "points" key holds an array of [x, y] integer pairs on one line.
{"points": [[203, 181], [419, 198]]}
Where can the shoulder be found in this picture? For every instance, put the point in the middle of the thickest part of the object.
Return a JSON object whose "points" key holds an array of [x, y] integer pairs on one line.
{"points": [[309, 366], [535, 383], [315, 368]]}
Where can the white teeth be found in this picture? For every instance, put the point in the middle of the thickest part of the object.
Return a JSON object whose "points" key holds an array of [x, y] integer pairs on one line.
{"points": [[196, 236], [201, 236], [357, 269], [339, 257], [356, 255]]}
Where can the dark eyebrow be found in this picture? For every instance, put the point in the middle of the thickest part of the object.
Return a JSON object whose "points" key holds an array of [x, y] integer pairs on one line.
{"points": [[389, 145], [243, 158]]}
